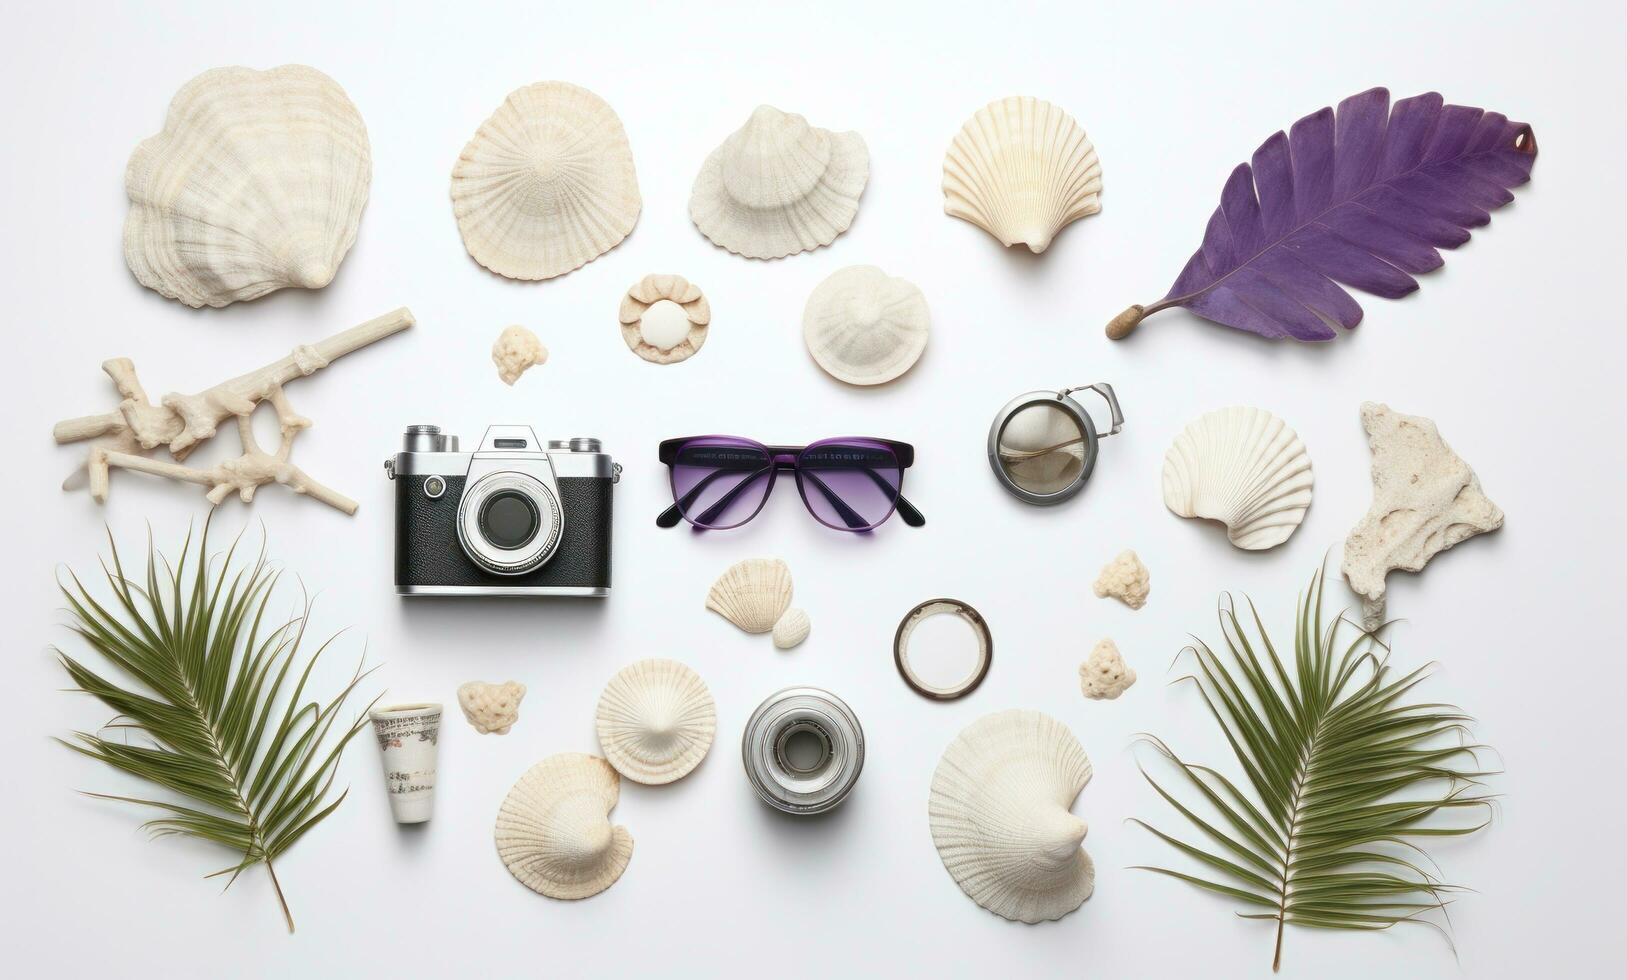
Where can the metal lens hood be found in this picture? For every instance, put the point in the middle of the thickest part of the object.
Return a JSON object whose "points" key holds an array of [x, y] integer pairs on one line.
{"points": [[821, 785]]}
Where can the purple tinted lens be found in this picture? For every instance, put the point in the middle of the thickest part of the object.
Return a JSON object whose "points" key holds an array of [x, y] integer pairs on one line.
{"points": [[720, 483], [850, 485]]}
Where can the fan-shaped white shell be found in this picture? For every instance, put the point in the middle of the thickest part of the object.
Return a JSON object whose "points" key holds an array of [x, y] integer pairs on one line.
{"points": [[554, 832], [1245, 468], [1021, 169], [656, 720], [753, 594], [256, 182], [547, 183], [778, 186], [792, 629], [1000, 816], [865, 327]]}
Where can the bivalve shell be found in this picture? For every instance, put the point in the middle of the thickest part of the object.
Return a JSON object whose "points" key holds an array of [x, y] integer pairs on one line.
{"points": [[554, 832], [865, 327], [1245, 468], [792, 629], [752, 594], [664, 319], [656, 720]]}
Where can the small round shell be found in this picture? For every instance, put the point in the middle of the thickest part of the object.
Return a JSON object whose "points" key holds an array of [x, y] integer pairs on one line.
{"points": [[656, 720], [664, 319], [554, 832], [753, 594], [1245, 468], [865, 327], [792, 629]]}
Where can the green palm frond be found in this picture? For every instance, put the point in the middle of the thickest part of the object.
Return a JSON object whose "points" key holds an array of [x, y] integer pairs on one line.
{"points": [[1343, 776], [203, 685]]}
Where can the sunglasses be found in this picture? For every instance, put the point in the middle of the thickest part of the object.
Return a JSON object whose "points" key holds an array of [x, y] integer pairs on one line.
{"points": [[852, 484]]}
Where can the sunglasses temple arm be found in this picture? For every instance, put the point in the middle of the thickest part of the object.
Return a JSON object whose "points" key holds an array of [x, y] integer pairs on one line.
{"points": [[672, 515], [841, 506], [906, 510]]}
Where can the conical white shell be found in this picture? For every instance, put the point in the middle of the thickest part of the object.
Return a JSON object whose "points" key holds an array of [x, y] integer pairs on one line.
{"points": [[256, 182], [554, 832], [753, 594], [778, 186], [1245, 468], [1000, 816], [792, 629], [547, 183], [1021, 169], [656, 720], [865, 327], [674, 296]]}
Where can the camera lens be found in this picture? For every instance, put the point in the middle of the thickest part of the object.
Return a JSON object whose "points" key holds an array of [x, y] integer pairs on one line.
{"points": [[803, 750], [509, 520]]}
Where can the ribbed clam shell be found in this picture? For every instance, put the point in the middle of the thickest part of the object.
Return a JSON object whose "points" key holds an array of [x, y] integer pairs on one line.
{"points": [[256, 182], [554, 832], [778, 186], [792, 629], [1021, 169], [753, 594], [1000, 815], [547, 183], [1245, 468], [865, 327], [656, 720]]}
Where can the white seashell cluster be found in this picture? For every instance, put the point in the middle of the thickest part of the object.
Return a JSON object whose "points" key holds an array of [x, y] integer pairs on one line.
{"points": [[655, 721], [554, 832], [664, 319], [257, 182], [1245, 468], [491, 708], [515, 352], [1126, 579], [1104, 675], [865, 327], [1000, 816], [755, 595]]}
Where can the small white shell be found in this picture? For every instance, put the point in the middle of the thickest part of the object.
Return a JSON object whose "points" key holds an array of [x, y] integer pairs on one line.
{"points": [[674, 300], [656, 720], [516, 351], [792, 629], [546, 185], [1104, 675], [256, 182], [491, 708], [1021, 169], [778, 186], [865, 327], [1000, 816], [1245, 468], [752, 594], [553, 829]]}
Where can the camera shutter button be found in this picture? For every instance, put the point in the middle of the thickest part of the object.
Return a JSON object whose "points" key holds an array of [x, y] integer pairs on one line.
{"points": [[434, 487]]}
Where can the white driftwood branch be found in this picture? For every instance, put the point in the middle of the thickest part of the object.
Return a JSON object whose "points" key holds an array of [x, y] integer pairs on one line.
{"points": [[181, 422]]}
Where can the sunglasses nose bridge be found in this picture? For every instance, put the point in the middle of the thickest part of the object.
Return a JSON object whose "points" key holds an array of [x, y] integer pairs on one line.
{"points": [[785, 461]]}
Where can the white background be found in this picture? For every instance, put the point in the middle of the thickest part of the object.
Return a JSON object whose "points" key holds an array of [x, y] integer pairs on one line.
{"points": [[1514, 348]]}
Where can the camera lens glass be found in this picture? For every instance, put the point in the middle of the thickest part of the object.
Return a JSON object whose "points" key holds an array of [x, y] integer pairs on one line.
{"points": [[509, 520]]}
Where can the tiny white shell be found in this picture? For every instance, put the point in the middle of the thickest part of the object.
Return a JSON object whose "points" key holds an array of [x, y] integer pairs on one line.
{"points": [[792, 629], [1001, 820], [1245, 468], [752, 594], [655, 721], [778, 186], [865, 327], [671, 297], [554, 832], [1022, 170]]}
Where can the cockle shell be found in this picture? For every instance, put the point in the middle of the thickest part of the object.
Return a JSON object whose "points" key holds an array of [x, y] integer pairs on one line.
{"points": [[1245, 468], [865, 327], [491, 708], [656, 720], [547, 183], [792, 629], [752, 594], [256, 182], [664, 319], [1021, 169], [515, 352], [1000, 816], [778, 186], [554, 832]]}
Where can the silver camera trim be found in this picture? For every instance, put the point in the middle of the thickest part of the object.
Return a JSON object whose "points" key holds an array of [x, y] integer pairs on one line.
{"points": [[509, 561]]}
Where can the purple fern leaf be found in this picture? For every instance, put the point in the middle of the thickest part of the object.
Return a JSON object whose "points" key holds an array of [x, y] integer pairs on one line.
{"points": [[1363, 197]]}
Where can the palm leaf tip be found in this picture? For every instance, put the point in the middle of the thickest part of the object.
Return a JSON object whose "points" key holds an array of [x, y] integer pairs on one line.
{"points": [[1342, 777], [217, 697]]}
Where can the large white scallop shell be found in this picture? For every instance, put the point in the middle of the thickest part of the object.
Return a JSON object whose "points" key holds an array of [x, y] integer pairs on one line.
{"points": [[752, 594], [778, 186], [1245, 468], [865, 327], [256, 182], [656, 720], [1021, 169], [1000, 815], [547, 183], [554, 832]]}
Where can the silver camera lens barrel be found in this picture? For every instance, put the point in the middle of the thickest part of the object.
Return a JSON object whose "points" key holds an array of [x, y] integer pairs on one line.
{"points": [[545, 514], [797, 786]]}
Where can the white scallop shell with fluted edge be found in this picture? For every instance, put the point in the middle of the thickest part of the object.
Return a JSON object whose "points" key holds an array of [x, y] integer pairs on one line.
{"points": [[778, 186], [257, 182], [865, 327], [1021, 169], [1000, 815], [1245, 468], [656, 720], [546, 185], [752, 594], [554, 832], [664, 318]]}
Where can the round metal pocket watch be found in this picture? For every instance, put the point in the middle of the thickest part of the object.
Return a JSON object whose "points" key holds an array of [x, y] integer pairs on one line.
{"points": [[1043, 444]]}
